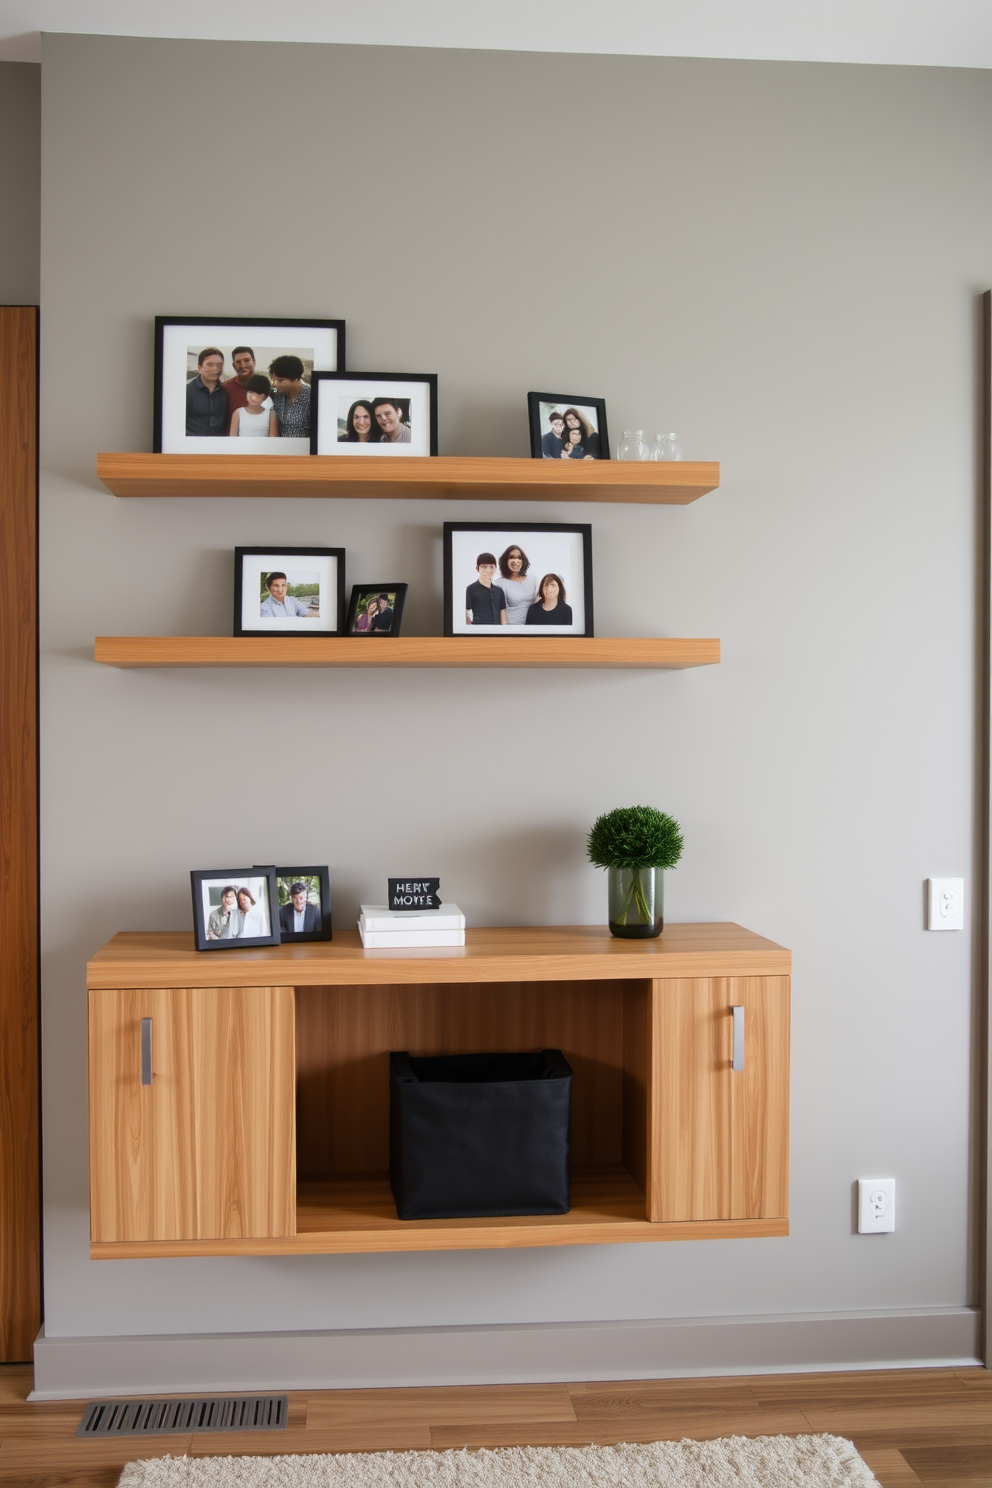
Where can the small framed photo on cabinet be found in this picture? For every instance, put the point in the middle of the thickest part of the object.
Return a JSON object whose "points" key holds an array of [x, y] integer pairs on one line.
{"points": [[226, 385], [376, 609], [288, 591], [517, 578], [567, 428], [303, 896], [234, 907], [375, 413]]}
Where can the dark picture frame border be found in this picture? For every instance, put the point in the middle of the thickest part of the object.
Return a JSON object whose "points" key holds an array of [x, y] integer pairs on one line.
{"points": [[341, 375], [534, 401], [584, 528], [262, 321], [200, 940], [241, 553], [359, 589], [318, 871]]}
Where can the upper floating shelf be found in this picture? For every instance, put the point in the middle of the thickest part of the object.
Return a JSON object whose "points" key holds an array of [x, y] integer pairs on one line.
{"points": [[450, 477]]}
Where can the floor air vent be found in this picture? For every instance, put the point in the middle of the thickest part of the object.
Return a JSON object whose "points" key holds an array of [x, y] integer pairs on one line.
{"points": [[179, 1417]]}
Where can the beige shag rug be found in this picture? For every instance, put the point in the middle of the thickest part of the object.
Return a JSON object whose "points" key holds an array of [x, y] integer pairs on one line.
{"points": [[729, 1462]]}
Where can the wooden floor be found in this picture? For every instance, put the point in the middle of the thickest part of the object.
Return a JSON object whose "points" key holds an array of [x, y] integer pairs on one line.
{"points": [[931, 1426]]}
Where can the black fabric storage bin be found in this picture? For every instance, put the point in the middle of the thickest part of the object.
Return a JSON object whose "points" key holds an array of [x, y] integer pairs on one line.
{"points": [[479, 1134]]}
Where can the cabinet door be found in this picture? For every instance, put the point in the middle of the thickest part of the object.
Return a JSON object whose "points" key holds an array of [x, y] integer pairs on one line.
{"points": [[718, 1136], [206, 1150]]}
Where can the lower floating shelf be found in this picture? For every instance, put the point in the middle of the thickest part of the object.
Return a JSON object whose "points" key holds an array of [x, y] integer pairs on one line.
{"points": [[358, 1215], [405, 651]]}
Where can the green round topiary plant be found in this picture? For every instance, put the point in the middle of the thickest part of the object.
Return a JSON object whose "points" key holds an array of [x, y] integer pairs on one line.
{"points": [[630, 838]]}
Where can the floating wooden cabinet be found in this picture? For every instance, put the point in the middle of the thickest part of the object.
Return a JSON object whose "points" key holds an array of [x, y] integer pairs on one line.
{"points": [[239, 1101]]}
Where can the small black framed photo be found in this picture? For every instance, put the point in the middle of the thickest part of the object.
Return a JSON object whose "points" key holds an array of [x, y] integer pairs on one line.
{"points": [[567, 428], [518, 578], [229, 385], [288, 591], [375, 413], [304, 903], [234, 907], [376, 609]]}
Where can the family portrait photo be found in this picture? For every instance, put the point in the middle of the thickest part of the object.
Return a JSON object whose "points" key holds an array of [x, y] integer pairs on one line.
{"points": [[218, 380], [233, 907], [376, 609], [517, 578], [567, 428], [375, 413], [288, 591], [303, 896]]}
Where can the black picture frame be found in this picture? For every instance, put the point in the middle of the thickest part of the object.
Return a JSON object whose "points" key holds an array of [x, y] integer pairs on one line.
{"points": [[165, 434], [573, 540], [331, 388], [361, 592], [538, 406], [293, 875], [203, 882], [326, 561]]}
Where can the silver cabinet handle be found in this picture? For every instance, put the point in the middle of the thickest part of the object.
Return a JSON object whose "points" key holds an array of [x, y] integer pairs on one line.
{"points": [[738, 1059], [146, 1051]]}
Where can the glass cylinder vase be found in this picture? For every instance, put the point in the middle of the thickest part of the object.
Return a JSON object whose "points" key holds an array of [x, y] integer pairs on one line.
{"points": [[636, 902]]}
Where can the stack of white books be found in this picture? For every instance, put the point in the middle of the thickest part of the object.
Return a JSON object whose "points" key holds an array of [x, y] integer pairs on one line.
{"points": [[382, 928]]}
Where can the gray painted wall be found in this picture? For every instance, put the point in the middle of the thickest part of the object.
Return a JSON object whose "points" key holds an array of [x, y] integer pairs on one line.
{"points": [[779, 261], [20, 182]]}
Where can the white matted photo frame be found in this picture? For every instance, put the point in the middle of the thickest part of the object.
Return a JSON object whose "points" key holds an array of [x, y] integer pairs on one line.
{"points": [[375, 413], [288, 591], [567, 427], [234, 907], [219, 380], [518, 578]]}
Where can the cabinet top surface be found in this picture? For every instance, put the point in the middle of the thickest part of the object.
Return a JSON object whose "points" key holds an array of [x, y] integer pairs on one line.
{"points": [[534, 953]]}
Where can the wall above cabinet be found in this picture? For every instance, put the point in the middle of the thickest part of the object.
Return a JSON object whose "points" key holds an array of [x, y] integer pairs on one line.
{"points": [[405, 651], [446, 477]]}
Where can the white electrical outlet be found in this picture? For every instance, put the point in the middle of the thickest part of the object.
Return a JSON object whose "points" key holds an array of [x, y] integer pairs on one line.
{"points": [[876, 1205], [945, 903]]}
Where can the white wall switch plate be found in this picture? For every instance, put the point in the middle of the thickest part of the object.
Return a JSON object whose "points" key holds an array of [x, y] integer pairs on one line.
{"points": [[945, 903], [876, 1205]]}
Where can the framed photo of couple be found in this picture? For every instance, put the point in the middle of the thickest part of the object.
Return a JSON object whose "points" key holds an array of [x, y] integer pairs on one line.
{"points": [[288, 591], [518, 578], [227, 385], [375, 413], [376, 609], [260, 906]]}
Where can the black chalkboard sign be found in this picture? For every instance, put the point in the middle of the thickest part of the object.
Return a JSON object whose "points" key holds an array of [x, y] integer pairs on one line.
{"points": [[414, 893]]}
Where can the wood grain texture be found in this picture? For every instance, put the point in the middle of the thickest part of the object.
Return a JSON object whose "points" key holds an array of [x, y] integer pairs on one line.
{"points": [[535, 953], [453, 477], [20, 1240], [344, 1034], [718, 1138], [914, 1434], [357, 1215], [207, 1150], [582, 652]]}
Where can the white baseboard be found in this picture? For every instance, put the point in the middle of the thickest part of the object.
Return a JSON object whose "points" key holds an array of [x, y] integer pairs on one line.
{"points": [[72, 1368]]}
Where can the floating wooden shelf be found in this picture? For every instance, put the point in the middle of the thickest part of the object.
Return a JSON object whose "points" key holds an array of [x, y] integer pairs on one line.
{"points": [[451, 477], [404, 651]]}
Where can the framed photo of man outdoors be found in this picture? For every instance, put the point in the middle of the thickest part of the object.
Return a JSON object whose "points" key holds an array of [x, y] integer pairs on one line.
{"points": [[375, 413], [303, 896], [518, 578], [567, 428], [288, 591], [226, 386], [234, 907]]}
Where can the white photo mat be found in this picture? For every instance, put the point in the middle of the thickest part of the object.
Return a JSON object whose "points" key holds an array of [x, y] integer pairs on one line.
{"points": [[298, 569]]}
